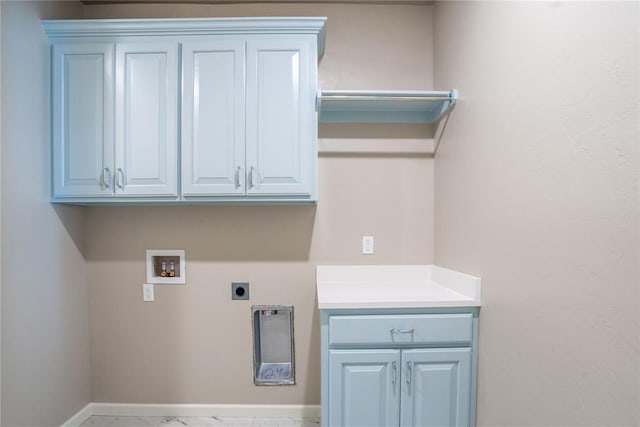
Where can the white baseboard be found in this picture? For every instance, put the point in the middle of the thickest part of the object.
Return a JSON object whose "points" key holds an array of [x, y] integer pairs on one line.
{"points": [[81, 416], [192, 410], [204, 410]]}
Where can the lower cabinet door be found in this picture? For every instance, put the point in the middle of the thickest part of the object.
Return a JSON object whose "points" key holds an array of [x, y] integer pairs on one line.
{"points": [[364, 388], [436, 387]]}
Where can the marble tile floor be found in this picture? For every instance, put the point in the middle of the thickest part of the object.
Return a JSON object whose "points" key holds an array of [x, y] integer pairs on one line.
{"points": [[108, 421]]}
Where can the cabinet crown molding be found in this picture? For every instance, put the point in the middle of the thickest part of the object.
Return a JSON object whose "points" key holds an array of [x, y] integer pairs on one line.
{"points": [[187, 27]]}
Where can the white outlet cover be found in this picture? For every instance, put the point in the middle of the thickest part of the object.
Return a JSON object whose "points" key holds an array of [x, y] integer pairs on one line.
{"points": [[147, 292], [367, 245]]}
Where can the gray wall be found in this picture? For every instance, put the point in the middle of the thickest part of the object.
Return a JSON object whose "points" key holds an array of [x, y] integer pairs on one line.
{"points": [[536, 191], [45, 329], [193, 344]]}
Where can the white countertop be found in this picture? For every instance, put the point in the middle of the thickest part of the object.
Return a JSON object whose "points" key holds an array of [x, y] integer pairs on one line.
{"points": [[394, 286]]}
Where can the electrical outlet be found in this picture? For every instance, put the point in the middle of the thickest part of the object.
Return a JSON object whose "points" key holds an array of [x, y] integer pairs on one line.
{"points": [[240, 290], [367, 245], [147, 292]]}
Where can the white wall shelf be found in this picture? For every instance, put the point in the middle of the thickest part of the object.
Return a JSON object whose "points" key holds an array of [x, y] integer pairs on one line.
{"points": [[382, 106]]}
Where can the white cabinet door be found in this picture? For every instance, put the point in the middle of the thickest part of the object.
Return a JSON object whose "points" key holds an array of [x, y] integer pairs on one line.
{"points": [[436, 387], [146, 155], [364, 388], [82, 106], [281, 118], [213, 104]]}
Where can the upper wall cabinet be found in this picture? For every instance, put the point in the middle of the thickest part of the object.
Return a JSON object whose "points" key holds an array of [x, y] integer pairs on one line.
{"points": [[115, 119], [248, 126], [82, 120], [146, 149], [213, 118], [246, 115]]}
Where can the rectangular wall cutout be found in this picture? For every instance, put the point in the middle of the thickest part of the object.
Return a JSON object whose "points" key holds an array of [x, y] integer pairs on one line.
{"points": [[273, 346], [166, 266]]}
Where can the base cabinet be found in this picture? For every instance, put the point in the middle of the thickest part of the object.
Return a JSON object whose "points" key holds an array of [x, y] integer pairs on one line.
{"points": [[437, 387], [365, 387], [398, 369], [427, 387]]}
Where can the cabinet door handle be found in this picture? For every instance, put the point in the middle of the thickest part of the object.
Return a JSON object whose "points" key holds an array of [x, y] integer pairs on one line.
{"points": [[409, 375], [106, 178], [237, 177], [401, 331], [394, 374], [120, 179], [251, 185]]}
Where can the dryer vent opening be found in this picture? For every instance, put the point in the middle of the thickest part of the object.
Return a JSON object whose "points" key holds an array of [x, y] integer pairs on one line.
{"points": [[273, 346]]}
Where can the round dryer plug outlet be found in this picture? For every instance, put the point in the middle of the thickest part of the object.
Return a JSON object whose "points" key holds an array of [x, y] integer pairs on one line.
{"points": [[239, 291]]}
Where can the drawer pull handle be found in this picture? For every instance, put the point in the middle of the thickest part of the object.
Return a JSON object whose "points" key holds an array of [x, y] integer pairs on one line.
{"points": [[401, 331]]}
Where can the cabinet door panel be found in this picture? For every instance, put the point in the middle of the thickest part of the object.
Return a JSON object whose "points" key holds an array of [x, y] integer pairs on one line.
{"points": [[213, 134], [281, 120], [82, 81], [436, 387], [364, 388], [146, 119]]}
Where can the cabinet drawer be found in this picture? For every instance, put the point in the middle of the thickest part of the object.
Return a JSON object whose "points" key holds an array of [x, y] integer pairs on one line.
{"points": [[455, 329]]}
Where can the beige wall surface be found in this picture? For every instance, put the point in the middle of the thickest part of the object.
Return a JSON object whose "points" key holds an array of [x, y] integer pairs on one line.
{"points": [[193, 344], [45, 328], [536, 191], [368, 46]]}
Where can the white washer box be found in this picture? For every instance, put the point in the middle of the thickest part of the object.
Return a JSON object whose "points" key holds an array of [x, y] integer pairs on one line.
{"points": [[172, 261]]}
